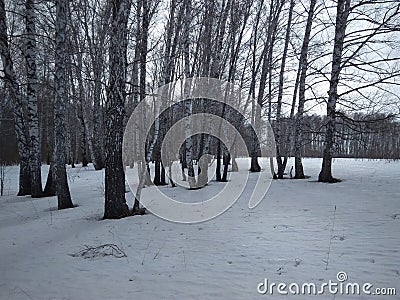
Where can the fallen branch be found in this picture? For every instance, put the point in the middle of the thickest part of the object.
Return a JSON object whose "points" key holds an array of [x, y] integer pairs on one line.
{"points": [[100, 251]]}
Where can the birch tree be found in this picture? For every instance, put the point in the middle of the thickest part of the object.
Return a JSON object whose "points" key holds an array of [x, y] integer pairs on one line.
{"points": [[115, 203], [167, 73], [277, 131], [96, 45], [14, 91], [342, 13], [188, 103], [275, 10], [61, 98], [31, 87], [303, 62], [357, 51]]}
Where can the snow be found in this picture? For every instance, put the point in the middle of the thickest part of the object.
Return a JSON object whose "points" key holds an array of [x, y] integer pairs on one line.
{"points": [[284, 239]]}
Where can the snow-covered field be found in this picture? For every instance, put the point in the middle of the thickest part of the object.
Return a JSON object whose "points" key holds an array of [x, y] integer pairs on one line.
{"points": [[286, 238]]}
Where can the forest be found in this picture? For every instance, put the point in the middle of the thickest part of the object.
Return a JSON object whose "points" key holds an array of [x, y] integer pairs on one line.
{"points": [[323, 74]]}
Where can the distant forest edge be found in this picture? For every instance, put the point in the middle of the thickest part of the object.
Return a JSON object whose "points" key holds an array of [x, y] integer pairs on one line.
{"points": [[359, 136]]}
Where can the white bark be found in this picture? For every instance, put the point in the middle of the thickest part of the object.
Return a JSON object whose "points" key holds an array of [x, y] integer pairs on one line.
{"points": [[33, 121], [188, 103]]}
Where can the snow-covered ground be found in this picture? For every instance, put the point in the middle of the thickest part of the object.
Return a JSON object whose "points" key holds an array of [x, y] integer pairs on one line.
{"points": [[286, 238]]}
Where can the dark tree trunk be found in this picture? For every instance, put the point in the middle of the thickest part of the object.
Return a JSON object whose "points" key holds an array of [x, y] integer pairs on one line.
{"points": [[163, 182], [157, 173], [299, 172], [63, 194], [298, 168], [83, 143], [254, 166], [183, 163], [115, 204], [343, 10], [266, 71], [277, 131], [96, 51], [170, 174], [98, 162], [218, 167], [227, 159], [24, 178], [50, 188], [281, 166]]}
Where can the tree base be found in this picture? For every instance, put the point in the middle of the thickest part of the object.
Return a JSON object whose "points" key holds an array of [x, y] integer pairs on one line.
{"points": [[23, 193], [139, 211], [115, 217], [329, 180], [254, 166]]}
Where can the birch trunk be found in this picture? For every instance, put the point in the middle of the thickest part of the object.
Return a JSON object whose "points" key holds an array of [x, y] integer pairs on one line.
{"points": [[98, 130], [115, 203], [343, 10], [50, 187], [169, 75], [96, 45], [239, 18], [282, 164], [265, 73], [134, 98], [205, 139], [188, 102], [144, 34], [33, 121], [98, 162], [139, 95], [299, 172], [159, 177], [61, 180], [83, 114], [143, 166]]}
